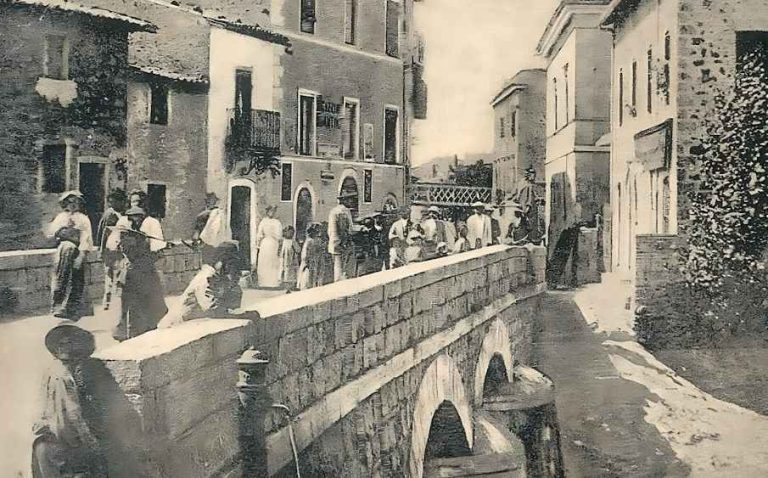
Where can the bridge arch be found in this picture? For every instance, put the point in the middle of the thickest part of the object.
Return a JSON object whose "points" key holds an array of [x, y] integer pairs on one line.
{"points": [[441, 396], [495, 356]]}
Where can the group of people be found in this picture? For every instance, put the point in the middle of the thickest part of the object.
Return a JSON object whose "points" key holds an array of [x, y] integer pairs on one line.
{"points": [[129, 242]]}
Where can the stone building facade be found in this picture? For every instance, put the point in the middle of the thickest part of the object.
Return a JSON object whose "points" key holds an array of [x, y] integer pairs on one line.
{"points": [[62, 111], [344, 105], [671, 59], [326, 90], [519, 138], [578, 54]]}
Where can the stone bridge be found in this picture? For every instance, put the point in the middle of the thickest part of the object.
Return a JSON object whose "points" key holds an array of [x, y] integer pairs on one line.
{"points": [[375, 372]]}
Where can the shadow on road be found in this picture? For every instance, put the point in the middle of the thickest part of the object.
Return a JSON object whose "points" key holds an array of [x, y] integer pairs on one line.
{"points": [[603, 430]]}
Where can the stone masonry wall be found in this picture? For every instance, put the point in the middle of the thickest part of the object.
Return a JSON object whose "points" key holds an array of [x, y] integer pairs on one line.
{"points": [[28, 275], [656, 269], [177, 386]]}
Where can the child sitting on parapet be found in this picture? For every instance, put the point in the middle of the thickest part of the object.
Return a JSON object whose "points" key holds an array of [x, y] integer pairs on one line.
{"points": [[213, 292]]}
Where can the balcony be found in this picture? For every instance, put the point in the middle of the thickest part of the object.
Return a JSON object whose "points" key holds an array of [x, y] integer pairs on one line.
{"points": [[253, 136]]}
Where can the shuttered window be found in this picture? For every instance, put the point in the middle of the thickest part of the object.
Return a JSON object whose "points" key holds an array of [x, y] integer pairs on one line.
{"points": [[393, 29]]}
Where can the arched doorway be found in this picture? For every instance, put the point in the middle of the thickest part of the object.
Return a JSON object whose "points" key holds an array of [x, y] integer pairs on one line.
{"points": [[349, 186], [390, 203], [304, 212], [446, 437], [242, 217]]}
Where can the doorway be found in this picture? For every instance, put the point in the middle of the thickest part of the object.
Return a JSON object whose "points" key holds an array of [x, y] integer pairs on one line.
{"points": [[304, 214], [93, 184], [240, 220]]}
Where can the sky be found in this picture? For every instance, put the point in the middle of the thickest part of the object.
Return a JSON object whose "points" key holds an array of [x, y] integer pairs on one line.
{"points": [[472, 46]]}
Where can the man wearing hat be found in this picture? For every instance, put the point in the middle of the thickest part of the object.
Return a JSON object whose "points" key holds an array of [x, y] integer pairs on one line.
{"points": [[213, 292], [397, 238], [63, 443], [494, 224], [109, 256], [478, 227], [529, 197], [340, 236], [72, 231], [209, 225], [143, 303]]}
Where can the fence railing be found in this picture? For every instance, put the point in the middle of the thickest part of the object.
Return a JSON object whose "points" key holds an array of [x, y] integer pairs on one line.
{"points": [[440, 194]]}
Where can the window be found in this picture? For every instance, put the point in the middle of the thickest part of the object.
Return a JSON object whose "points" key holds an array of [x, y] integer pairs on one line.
{"points": [[665, 206], [158, 105], [502, 128], [554, 95], [368, 186], [567, 99], [307, 109], [621, 97], [391, 124], [286, 181], [393, 28], [56, 57], [308, 18], [513, 124], [54, 168], [751, 43], [667, 46], [350, 129], [649, 82], [619, 226], [634, 84], [156, 200], [350, 21]]}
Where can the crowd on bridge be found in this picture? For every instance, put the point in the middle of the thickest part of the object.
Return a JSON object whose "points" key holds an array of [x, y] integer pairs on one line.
{"points": [[130, 242]]}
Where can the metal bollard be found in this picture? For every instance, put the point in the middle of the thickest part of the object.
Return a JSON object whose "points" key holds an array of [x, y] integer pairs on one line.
{"points": [[254, 403]]}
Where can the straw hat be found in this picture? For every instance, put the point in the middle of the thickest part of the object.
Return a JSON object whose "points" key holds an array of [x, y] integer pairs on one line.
{"points": [[76, 342], [68, 194]]}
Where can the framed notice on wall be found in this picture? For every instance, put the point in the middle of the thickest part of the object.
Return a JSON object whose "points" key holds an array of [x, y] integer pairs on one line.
{"points": [[368, 152]]}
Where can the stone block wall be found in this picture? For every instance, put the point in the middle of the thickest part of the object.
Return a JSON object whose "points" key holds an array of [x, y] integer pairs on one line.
{"points": [[656, 268], [28, 274], [347, 359]]}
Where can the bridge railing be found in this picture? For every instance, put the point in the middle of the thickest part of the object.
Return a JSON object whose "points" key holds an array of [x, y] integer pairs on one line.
{"points": [[331, 350], [441, 194]]}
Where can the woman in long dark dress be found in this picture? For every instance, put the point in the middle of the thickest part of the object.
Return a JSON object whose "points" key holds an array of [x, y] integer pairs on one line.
{"points": [[143, 303]]}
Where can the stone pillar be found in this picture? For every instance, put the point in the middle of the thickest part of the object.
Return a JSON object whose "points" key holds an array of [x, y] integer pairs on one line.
{"points": [[254, 403]]}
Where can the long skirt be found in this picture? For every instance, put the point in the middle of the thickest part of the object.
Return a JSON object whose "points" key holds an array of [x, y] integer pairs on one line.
{"points": [[143, 303], [268, 267], [68, 282]]}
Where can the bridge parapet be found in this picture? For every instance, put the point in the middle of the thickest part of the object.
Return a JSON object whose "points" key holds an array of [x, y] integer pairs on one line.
{"points": [[349, 360]]}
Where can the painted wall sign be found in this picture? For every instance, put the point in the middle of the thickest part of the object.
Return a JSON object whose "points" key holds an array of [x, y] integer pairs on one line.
{"points": [[653, 147], [328, 114]]}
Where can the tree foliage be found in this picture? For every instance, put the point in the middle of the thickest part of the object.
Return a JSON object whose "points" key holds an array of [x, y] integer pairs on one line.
{"points": [[728, 227], [477, 174]]}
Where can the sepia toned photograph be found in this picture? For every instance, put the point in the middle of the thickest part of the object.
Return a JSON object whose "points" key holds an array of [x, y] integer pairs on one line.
{"points": [[383, 238]]}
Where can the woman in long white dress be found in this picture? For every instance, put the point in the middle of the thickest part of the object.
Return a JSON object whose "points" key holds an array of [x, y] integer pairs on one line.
{"points": [[268, 237]]}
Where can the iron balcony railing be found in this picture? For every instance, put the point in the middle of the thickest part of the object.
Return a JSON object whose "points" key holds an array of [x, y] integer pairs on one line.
{"points": [[441, 194], [255, 129]]}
